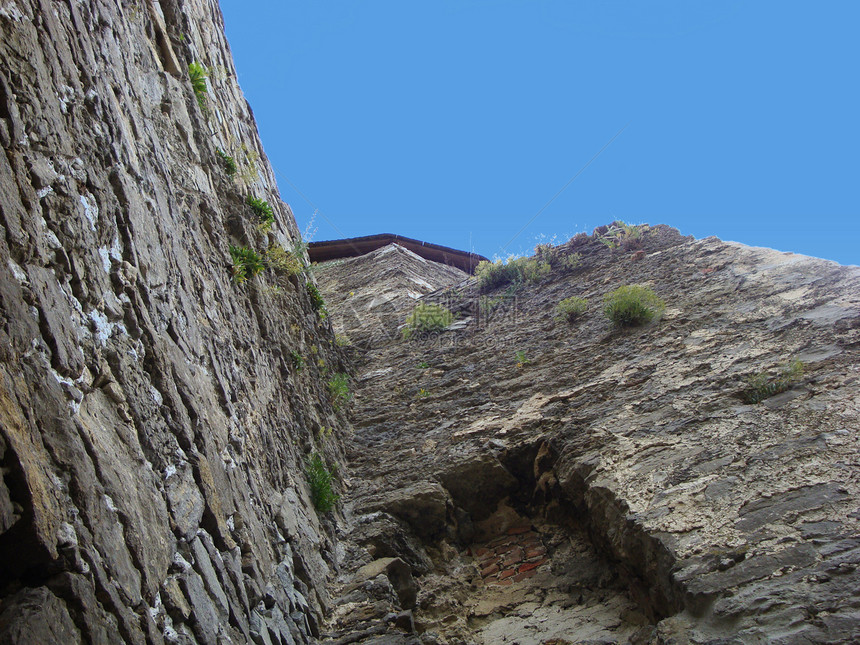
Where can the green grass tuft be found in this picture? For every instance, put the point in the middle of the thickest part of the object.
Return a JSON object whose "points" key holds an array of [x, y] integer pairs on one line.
{"points": [[338, 387], [632, 305], [297, 360], [317, 301], [515, 271], [227, 162], [761, 386], [429, 317], [319, 480], [571, 308]]}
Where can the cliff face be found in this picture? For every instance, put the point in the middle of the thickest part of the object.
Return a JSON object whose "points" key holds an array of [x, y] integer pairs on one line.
{"points": [[153, 426], [555, 481], [515, 478]]}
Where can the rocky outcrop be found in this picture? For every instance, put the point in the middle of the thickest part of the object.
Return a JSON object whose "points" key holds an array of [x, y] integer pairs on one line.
{"points": [[369, 293], [153, 423], [659, 504], [517, 477]]}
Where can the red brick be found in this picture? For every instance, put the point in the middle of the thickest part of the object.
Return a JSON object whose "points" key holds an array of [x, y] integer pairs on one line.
{"points": [[518, 530], [501, 550], [528, 566], [485, 560], [523, 575], [516, 555], [493, 568], [535, 552], [507, 574], [481, 551], [502, 583]]}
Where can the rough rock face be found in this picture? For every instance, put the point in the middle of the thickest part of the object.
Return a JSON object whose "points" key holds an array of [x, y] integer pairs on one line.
{"points": [[153, 426], [370, 292], [555, 482], [517, 478]]}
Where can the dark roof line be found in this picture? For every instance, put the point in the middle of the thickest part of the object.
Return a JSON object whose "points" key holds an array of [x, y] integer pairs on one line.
{"points": [[355, 246]]}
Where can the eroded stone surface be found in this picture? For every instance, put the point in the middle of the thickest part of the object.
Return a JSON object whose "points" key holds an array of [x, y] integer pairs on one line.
{"points": [[155, 418], [151, 419], [720, 519]]}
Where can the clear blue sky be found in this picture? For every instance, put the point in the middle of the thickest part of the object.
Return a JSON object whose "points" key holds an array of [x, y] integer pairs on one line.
{"points": [[456, 121]]}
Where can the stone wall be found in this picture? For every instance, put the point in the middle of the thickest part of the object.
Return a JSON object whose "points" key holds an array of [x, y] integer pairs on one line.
{"points": [[516, 477], [669, 508], [153, 424]]}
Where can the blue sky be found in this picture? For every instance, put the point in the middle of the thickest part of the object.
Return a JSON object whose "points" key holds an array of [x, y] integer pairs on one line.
{"points": [[456, 121]]}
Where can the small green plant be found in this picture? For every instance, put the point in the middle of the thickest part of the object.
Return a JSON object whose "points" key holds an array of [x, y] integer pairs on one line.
{"points": [[632, 305], [324, 433], [762, 386], [571, 308], [248, 164], [319, 480], [553, 256], [263, 211], [317, 301], [522, 359], [246, 263], [227, 162], [297, 360], [282, 261], [548, 253], [423, 394], [338, 387], [514, 271], [197, 75], [429, 317], [621, 235], [342, 340], [572, 262], [423, 365]]}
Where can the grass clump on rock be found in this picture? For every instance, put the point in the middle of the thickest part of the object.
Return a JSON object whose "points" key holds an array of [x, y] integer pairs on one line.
{"points": [[427, 317], [571, 308], [227, 162], [282, 261], [338, 387], [317, 301], [319, 480], [632, 305], [511, 271], [763, 386]]}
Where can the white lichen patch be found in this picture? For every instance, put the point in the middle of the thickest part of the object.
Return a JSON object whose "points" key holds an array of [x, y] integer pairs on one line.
{"points": [[17, 271], [156, 395], [105, 256], [110, 503], [10, 11], [91, 209], [103, 328]]}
